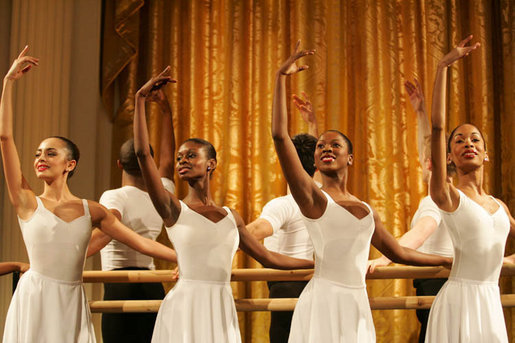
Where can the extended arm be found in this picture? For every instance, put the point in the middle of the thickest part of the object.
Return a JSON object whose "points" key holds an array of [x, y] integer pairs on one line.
{"points": [[418, 103], [250, 245], [98, 238], [166, 204], [442, 192], [303, 189], [9, 267], [110, 225], [386, 243], [308, 113], [20, 194], [260, 228]]}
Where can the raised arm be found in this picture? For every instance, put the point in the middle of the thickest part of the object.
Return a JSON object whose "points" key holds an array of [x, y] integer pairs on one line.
{"points": [[250, 245], [303, 189], [307, 112], [166, 204], [386, 243], [417, 100], [442, 192], [167, 143], [20, 194], [110, 225]]}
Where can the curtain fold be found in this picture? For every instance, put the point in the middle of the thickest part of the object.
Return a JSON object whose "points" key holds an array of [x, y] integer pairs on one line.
{"points": [[224, 54]]}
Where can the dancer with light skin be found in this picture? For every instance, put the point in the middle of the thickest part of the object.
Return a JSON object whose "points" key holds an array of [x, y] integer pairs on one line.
{"points": [[50, 304], [468, 307], [200, 308], [10, 267], [334, 305], [428, 232]]}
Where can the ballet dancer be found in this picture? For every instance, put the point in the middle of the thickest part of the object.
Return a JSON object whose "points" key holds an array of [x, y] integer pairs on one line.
{"points": [[49, 304], [334, 305]]}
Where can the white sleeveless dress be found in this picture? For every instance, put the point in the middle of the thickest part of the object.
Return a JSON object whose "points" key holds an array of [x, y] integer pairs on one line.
{"points": [[334, 306], [200, 308], [468, 307], [49, 304]]}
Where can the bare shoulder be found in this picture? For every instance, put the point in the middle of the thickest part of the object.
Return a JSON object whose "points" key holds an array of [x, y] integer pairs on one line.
{"points": [[237, 218], [97, 211]]}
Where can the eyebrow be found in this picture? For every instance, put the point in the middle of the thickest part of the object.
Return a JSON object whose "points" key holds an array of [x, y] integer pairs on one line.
{"points": [[39, 149], [473, 133]]}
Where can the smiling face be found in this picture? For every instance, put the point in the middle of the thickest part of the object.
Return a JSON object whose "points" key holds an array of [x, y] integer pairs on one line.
{"points": [[52, 159], [193, 162], [332, 152], [467, 148]]}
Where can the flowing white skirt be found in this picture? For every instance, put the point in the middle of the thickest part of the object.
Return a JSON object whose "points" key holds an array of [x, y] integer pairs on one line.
{"points": [[332, 313], [46, 310], [467, 311], [196, 312]]}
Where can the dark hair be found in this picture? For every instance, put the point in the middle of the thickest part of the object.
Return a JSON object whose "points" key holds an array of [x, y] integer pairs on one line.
{"points": [[128, 158], [454, 131], [73, 152], [305, 145], [210, 149], [349, 143]]}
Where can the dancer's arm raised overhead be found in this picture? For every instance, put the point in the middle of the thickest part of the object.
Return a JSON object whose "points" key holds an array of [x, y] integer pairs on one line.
{"points": [[417, 100], [269, 259], [166, 204], [443, 193], [21, 195], [308, 196]]}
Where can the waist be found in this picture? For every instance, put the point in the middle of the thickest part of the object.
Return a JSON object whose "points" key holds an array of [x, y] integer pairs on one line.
{"points": [[50, 278], [338, 283], [210, 282], [471, 281]]}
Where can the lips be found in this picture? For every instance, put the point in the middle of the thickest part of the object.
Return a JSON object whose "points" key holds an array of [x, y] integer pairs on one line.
{"points": [[470, 154], [183, 170], [327, 158], [42, 167]]}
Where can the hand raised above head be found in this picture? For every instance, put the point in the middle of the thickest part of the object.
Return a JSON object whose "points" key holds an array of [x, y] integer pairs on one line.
{"points": [[416, 96], [305, 107], [155, 83], [458, 52], [290, 66], [21, 65]]}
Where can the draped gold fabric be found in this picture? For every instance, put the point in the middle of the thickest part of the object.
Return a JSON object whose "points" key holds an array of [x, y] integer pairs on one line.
{"points": [[224, 54]]}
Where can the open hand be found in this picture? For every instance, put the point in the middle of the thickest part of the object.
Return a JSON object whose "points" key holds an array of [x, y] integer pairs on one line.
{"points": [[155, 83], [458, 52], [305, 107], [416, 96], [21, 65], [290, 66]]}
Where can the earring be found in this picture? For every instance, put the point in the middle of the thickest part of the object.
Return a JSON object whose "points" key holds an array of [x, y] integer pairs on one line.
{"points": [[486, 158]]}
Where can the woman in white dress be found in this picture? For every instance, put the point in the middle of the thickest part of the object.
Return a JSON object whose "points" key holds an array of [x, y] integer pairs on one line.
{"points": [[200, 308], [50, 304], [468, 307], [334, 305]]}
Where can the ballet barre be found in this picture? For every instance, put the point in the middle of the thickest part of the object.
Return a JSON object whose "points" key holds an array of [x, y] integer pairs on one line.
{"points": [[264, 274], [280, 304]]}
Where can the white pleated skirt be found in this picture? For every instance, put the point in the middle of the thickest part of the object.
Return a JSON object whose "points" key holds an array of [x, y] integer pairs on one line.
{"points": [[467, 311], [330, 312], [46, 310], [197, 312]]}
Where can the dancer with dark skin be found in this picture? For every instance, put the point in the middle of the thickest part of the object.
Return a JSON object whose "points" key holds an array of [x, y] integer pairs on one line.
{"points": [[185, 221], [468, 307], [333, 156]]}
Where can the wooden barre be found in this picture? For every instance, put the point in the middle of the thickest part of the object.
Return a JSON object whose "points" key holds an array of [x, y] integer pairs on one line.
{"points": [[264, 274], [281, 304]]}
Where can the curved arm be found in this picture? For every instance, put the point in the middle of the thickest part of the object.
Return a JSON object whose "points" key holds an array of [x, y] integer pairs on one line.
{"points": [[418, 103], [384, 242], [20, 194], [442, 192], [308, 196], [9, 267], [110, 225], [260, 228], [167, 143], [413, 239], [166, 204], [250, 245], [307, 112]]}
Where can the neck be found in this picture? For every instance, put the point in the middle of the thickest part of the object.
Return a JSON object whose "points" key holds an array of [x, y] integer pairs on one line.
{"points": [[199, 191], [57, 190], [135, 181], [471, 182], [336, 181]]}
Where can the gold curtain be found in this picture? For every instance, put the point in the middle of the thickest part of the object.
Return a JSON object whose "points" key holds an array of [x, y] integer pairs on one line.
{"points": [[224, 54]]}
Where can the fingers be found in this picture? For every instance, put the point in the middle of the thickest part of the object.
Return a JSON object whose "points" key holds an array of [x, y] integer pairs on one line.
{"points": [[304, 67], [297, 46], [164, 72], [305, 96], [410, 88], [465, 41], [419, 87], [26, 69], [24, 51]]}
